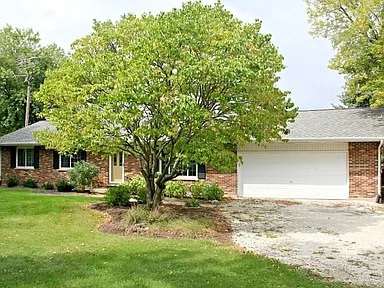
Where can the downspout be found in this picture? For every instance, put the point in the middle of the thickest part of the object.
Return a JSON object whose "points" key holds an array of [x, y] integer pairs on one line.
{"points": [[379, 197]]}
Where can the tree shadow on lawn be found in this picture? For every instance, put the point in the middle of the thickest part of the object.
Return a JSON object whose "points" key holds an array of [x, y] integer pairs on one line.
{"points": [[179, 267]]}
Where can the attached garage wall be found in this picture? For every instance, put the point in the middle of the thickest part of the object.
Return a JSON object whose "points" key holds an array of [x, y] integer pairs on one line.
{"points": [[294, 170], [363, 169]]}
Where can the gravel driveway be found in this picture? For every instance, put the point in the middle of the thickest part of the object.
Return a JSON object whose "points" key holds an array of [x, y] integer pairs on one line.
{"points": [[340, 240]]}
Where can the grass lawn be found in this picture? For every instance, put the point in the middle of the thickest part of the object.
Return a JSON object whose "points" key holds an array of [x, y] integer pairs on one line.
{"points": [[53, 241]]}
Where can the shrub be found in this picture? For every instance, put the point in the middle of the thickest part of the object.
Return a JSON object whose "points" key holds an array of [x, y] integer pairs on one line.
{"points": [[30, 183], [47, 186], [192, 202], [118, 195], [12, 181], [207, 191], [138, 187], [64, 186], [175, 189], [140, 214], [82, 174]]}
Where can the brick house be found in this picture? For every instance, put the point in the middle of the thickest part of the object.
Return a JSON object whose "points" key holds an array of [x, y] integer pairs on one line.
{"points": [[329, 154]]}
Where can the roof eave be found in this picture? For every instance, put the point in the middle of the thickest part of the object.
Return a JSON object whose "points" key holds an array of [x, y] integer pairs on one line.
{"points": [[19, 144], [339, 139]]}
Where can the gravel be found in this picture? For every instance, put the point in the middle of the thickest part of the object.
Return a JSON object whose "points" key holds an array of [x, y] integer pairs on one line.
{"points": [[340, 240]]}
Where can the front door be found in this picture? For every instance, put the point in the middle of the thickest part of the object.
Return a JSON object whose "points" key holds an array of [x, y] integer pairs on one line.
{"points": [[117, 168]]}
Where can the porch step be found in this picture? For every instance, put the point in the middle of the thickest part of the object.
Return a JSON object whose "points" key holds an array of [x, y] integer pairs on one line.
{"points": [[99, 190]]}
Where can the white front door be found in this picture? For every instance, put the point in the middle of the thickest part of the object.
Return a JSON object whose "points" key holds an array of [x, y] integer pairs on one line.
{"points": [[116, 164]]}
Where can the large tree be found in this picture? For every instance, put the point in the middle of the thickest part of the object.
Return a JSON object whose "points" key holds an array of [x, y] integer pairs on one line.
{"points": [[355, 28], [23, 61], [181, 87]]}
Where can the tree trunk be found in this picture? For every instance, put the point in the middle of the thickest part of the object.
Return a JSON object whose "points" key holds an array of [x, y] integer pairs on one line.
{"points": [[154, 193]]}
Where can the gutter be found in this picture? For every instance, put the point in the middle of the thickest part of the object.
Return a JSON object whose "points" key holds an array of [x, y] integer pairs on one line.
{"points": [[379, 196]]}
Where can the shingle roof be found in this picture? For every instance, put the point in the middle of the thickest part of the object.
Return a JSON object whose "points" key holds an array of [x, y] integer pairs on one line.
{"points": [[338, 124], [361, 124], [25, 135]]}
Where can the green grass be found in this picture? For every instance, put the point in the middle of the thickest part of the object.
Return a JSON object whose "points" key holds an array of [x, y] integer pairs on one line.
{"points": [[53, 241]]}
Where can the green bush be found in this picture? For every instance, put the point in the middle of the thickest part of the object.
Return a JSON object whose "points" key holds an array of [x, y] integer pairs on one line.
{"points": [[64, 186], [175, 189], [30, 183], [138, 187], [47, 186], [207, 191], [83, 174], [118, 195], [12, 181], [192, 202]]}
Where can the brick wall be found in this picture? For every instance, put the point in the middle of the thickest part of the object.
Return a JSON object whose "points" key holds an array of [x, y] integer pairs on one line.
{"points": [[45, 172], [363, 169], [226, 180]]}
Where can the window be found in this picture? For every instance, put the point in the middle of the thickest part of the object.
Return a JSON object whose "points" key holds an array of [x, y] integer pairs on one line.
{"points": [[25, 158], [67, 162], [186, 172]]}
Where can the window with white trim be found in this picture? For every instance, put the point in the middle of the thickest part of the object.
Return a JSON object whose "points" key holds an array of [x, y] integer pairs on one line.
{"points": [[25, 158], [67, 162], [187, 172]]}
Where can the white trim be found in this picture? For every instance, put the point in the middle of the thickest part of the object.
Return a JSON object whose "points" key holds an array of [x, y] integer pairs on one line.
{"points": [[183, 177], [70, 161], [330, 139], [25, 160]]}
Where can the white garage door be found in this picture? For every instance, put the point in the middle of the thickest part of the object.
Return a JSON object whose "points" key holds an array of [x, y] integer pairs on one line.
{"points": [[294, 174]]}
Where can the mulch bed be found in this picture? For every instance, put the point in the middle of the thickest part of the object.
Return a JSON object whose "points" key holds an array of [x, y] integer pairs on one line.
{"points": [[219, 232]]}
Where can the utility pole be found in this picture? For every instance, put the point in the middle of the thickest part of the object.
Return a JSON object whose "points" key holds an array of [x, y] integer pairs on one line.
{"points": [[27, 79], [26, 62]]}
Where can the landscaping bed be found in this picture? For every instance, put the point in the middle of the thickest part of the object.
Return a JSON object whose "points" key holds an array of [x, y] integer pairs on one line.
{"points": [[205, 222]]}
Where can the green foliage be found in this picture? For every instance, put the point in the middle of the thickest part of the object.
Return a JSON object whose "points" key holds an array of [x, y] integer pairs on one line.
{"points": [[30, 183], [64, 186], [175, 189], [22, 57], [83, 174], [355, 31], [118, 195], [138, 187], [47, 186], [12, 181], [140, 214], [186, 76], [207, 191], [192, 202]]}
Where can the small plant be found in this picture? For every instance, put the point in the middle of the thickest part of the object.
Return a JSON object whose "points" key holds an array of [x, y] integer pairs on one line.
{"points": [[207, 191], [12, 181], [140, 214], [118, 195], [192, 202], [138, 187], [175, 189], [64, 186], [30, 183], [83, 174], [47, 186]]}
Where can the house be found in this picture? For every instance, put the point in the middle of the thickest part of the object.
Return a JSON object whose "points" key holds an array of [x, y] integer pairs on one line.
{"points": [[329, 154]]}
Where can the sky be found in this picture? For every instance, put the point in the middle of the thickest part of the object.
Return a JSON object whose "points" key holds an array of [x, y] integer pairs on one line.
{"points": [[311, 83]]}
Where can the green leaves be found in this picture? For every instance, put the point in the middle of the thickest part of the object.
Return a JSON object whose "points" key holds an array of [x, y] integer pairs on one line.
{"points": [[21, 58], [355, 30], [180, 87]]}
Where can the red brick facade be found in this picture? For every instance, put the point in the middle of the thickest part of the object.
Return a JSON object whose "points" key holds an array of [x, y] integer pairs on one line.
{"points": [[363, 163], [363, 169]]}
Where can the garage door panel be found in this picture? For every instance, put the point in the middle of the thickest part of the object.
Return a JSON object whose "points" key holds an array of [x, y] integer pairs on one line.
{"points": [[287, 174]]}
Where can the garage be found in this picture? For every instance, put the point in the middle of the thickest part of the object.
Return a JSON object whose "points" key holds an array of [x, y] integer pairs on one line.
{"points": [[294, 170]]}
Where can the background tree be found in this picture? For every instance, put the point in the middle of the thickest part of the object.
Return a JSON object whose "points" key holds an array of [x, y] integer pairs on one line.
{"points": [[22, 58], [355, 28], [181, 87]]}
